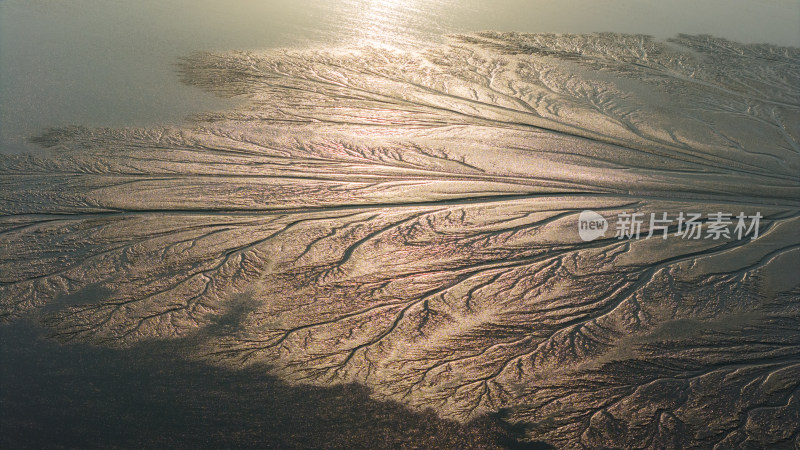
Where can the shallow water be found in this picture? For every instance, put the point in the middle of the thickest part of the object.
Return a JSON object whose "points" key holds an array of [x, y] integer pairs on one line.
{"points": [[400, 229], [110, 62]]}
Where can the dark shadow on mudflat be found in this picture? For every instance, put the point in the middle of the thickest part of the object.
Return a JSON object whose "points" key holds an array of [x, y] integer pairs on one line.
{"points": [[57, 396]]}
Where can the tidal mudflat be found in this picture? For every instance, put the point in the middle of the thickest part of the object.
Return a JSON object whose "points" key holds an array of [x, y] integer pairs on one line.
{"points": [[409, 220]]}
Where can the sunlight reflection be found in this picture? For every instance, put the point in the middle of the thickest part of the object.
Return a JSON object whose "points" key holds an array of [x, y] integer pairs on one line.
{"points": [[396, 23]]}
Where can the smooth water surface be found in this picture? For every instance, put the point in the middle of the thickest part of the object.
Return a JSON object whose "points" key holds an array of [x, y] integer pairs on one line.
{"points": [[111, 62]]}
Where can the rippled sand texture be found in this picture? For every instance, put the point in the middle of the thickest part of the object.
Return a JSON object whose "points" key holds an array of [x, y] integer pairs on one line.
{"points": [[407, 220]]}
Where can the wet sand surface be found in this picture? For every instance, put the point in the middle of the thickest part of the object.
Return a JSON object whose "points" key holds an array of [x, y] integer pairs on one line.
{"points": [[406, 220]]}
